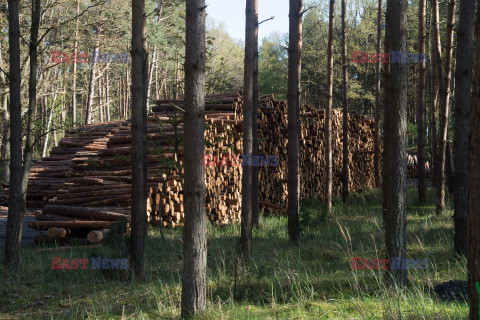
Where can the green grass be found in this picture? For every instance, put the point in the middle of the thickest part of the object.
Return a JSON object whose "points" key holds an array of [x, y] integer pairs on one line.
{"points": [[313, 280]]}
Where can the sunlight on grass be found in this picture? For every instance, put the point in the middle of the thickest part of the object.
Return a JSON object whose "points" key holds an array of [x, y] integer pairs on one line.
{"points": [[313, 280]]}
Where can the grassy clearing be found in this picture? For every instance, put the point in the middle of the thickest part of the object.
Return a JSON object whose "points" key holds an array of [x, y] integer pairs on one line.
{"points": [[311, 281]]}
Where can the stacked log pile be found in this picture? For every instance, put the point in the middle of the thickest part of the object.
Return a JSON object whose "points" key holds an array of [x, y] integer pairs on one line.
{"points": [[87, 178], [84, 185], [274, 137], [223, 141], [48, 176]]}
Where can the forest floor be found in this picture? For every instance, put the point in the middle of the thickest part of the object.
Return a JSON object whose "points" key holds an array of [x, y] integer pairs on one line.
{"points": [[311, 280]]}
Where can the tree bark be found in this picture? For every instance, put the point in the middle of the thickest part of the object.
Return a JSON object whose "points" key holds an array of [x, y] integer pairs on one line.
{"points": [[328, 111], [107, 97], [421, 111], [139, 133], [15, 217], [194, 232], [444, 106], [378, 116], [91, 87], [74, 84], [346, 157], [100, 98], [449, 168], [5, 119], [49, 123], [251, 13], [177, 78], [5, 149], [436, 62], [474, 185], [293, 100], [255, 170], [463, 80], [395, 128], [32, 103], [32, 99], [128, 84], [150, 75]]}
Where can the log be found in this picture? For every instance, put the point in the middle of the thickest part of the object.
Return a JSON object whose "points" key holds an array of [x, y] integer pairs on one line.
{"points": [[97, 236], [83, 212], [44, 225], [56, 233], [52, 217]]}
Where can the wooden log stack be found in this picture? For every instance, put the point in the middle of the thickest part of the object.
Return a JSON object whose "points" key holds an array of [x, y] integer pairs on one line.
{"points": [[49, 176], [85, 182], [273, 136]]}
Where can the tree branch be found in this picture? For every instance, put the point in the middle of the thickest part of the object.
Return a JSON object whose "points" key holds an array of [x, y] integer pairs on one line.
{"points": [[308, 9], [71, 19], [271, 18]]}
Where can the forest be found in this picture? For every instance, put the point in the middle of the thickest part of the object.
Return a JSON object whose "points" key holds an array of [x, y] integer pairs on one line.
{"points": [[155, 166]]}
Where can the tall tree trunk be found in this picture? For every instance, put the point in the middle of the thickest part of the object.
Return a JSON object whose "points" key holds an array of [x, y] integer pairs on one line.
{"points": [[91, 86], [449, 168], [5, 149], [107, 97], [463, 80], [124, 100], [32, 103], [328, 111], [5, 119], [251, 13], [421, 111], [437, 82], [49, 123], [157, 90], [150, 75], [346, 156], [55, 138], [445, 81], [74, 85], [63, 113], [100, 98], [395, 129], [120, 100], [293, 97], [378, 110], [255, 170], [194, 232], [127, 96], [474, 183], [177, 78], [139, 220], [15, 217]]}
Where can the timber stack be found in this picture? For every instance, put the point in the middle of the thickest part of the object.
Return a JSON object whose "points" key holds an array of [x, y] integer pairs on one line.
{"points": [[84, 185], [273, 134]]}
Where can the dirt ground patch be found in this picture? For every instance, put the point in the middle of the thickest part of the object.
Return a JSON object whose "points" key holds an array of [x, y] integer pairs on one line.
{"points": [[28, 234]]}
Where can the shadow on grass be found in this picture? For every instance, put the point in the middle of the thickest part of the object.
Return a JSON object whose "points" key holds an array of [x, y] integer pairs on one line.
{"points": [[318, 268]]}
